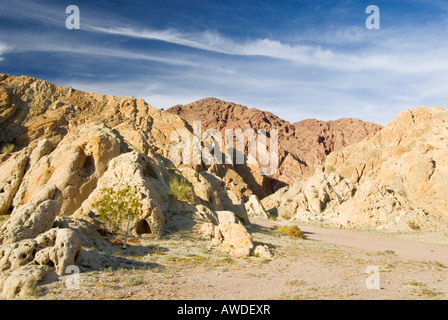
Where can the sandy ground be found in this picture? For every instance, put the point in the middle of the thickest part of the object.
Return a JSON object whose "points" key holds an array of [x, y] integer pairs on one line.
{"points": [[423, 248], [328, 264]]}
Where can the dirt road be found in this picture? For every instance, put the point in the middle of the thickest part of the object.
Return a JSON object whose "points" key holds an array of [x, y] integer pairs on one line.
{"points": [[418, 247], [411, 249]]}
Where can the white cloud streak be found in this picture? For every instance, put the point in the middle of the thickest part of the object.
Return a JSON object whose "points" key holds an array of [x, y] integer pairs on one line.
{"points": [[325, 74], [383, 54], [214, 42], [4, 48]]}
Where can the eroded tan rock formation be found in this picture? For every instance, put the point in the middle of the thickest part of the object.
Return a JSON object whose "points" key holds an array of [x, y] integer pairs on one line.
{"points": [[394, 180], [64, 150]]}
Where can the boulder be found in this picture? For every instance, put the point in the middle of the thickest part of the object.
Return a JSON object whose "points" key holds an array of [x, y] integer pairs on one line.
{"points": [[66, 250], [17, 254], [263, 251], [237, 241], [23, 264], [255, 209], [231, 202], [230, 235], [227, 217], [29, 220]]}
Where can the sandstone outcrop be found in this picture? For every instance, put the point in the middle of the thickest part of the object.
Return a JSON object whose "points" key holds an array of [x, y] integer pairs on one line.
{"points": [[74, 167], [11, 175], [29, 220], [395, 179], [237, 241], [24, 263], [21, 283], [69, 157], [128, 170]]}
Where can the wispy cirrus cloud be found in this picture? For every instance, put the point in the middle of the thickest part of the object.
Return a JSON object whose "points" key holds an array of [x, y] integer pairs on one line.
{"points": [[212, 41], [317, 55], [4, 48], [330, 68]]}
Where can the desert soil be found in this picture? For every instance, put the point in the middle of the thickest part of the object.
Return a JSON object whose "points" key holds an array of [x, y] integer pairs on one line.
{"points": [[328, 264]]}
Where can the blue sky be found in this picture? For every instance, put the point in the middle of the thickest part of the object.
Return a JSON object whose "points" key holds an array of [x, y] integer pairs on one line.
{"points": [[298, 59]]}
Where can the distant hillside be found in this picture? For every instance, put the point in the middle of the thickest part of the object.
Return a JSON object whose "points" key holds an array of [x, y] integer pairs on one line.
{"points": [[303, 146]]}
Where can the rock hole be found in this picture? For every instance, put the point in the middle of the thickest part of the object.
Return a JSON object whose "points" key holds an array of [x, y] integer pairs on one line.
{"points": [[77, 256], [143, 227], [88, 168]]}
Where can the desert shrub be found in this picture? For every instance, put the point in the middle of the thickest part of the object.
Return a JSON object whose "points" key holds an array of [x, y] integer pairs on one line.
{"points": [[181, 189], [330, 169], [7, 148], [293, 231], [115, 206], [413, 225]]}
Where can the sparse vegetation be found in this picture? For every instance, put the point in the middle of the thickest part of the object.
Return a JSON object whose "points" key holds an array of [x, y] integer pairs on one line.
{"points": [[415, 283], [437, 264], [294, 283], [7, 148], [428, 292], [204, 250], [330, 169], [134, 280], [292, 231], [181, 189], [228, 260], [115, 206], [413, 225]]}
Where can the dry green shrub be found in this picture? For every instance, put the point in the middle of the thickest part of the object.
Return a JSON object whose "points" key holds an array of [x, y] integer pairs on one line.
{"points": [[293, 231], [7, 148], [115, 206], [181, 189]]}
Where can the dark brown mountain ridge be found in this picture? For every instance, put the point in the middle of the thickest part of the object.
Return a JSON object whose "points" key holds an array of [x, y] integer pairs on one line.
{"points": [[303, 145]]}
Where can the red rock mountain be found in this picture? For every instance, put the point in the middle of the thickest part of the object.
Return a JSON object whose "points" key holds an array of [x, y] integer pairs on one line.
{"points": [[303, 146]]}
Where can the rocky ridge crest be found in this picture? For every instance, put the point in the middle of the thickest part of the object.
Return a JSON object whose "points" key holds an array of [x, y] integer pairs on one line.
{"points": [[395, 179], [303, 146]]}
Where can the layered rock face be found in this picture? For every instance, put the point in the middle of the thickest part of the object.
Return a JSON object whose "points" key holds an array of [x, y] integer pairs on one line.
{"points": [[395, 179], [303, 145], [78, 144], [67, 157]]}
